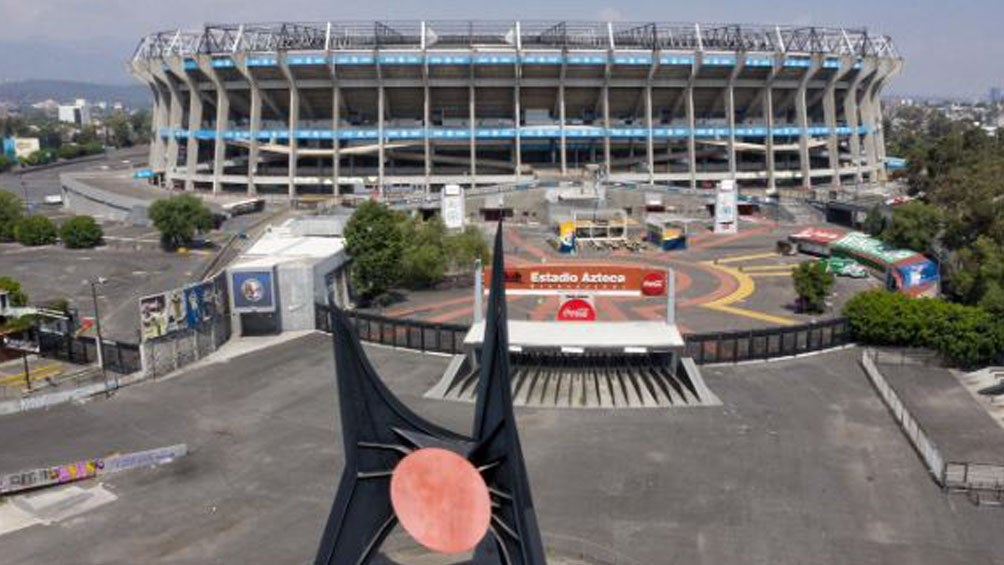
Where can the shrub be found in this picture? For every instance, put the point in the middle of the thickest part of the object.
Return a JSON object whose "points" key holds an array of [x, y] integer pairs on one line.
{"points": [[10, 212], [423, 266], [35, 230], [966, 335], [80, 232]]}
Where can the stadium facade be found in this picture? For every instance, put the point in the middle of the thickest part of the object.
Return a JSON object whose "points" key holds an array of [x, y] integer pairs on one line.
{"points": [[299, 108]]}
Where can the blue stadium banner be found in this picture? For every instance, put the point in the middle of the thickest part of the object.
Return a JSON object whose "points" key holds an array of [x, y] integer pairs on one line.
{"points": [[253, 291]]}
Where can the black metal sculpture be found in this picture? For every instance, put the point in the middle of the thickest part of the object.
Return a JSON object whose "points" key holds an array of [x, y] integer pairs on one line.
{"points": [[377, 430]]}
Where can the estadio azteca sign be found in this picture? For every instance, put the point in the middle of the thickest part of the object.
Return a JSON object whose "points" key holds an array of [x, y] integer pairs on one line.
{"points": [[608, 280]]}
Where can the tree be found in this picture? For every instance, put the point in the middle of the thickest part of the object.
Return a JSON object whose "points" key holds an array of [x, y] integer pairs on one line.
{"points": [[10, 212], [915, 225], [874, 222], [465, 247], [35, 230], [179, 219], [375, 241], [6, 164], [423, 265], [80, 232], [13, 289], [813, 283]]}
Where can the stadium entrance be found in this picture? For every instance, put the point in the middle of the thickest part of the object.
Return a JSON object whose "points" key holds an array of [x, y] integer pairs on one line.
{"points": [[577, 359]]}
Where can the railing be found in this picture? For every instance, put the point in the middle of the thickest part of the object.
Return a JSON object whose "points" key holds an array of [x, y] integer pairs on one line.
{"points": [[733, 347], [398, 332], [919, 439]]}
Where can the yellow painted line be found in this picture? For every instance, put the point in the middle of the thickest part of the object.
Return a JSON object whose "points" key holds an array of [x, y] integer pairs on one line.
{"points": [[781, 321], [754, 268], [745, 289], [771, 274], [35, 372], [738, 258]]}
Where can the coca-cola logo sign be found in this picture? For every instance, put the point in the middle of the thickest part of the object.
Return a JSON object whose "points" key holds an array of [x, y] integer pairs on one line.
{"points": [[654, 284], [577, 310]]}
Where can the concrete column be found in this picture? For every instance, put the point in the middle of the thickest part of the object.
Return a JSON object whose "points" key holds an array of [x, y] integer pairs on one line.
{"points": [[255, 125], [691, 138], [293, 125], [802, 109], [473, 138], [427, 126], [851, 118], [194, 123], [336, 145], [649, 141], [768, 114], [606, 128], [730, 112], [381, 153], [158, 113], [830, 116], [173, 123], [517, 140], [869, 119], [563, 148], [222, 120], [692, 120]]}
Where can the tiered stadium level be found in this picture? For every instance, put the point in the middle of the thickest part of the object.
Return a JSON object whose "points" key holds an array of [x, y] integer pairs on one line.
{"points": [[300, 107]]}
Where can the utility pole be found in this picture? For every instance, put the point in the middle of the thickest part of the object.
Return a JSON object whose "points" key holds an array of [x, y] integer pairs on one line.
{"points": [[97, 327]]}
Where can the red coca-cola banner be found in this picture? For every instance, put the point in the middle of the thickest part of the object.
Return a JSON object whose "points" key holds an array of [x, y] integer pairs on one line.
{"points": [[577, 309], [609, 280]]}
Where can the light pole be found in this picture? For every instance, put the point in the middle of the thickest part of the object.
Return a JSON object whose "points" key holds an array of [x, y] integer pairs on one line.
{"points": [[24, 190], [97, 326]]}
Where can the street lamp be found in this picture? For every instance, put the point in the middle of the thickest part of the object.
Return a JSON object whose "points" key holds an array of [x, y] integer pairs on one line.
{"points": [[97, 326]]}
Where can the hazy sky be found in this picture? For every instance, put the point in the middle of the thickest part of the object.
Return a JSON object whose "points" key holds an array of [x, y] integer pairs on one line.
{"points": [[950, 47]]}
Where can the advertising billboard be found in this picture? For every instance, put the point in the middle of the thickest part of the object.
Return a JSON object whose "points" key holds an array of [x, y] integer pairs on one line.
{"points": [[253, 291], [176, 317], [726, 211], [606, 280], [199, 304], [153, 316]]}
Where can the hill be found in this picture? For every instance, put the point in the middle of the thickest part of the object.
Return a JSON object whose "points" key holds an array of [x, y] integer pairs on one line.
{"points": [[37, 90]]}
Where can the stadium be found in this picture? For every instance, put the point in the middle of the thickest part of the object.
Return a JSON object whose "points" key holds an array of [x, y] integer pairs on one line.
{"points": [[311, 108]]}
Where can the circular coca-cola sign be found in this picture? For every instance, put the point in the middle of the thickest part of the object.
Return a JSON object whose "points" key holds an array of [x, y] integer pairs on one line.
{"points": [[577, 310], [654, 284]]}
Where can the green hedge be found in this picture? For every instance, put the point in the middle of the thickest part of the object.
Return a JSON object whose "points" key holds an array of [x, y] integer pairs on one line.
{"points": [[966, 335], [35, 230], [80, 232]]}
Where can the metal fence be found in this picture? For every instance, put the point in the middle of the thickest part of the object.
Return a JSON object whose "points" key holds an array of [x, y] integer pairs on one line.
{"points": [[398, 332], [120, 357], [732, 347]]}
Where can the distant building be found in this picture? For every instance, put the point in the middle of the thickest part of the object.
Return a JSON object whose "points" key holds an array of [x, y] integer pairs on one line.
{"points": [[995, 95], [78, 113]]}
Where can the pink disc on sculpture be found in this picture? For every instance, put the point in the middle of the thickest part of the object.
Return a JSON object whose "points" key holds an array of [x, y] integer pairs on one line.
{"points": [[441, 500]]}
